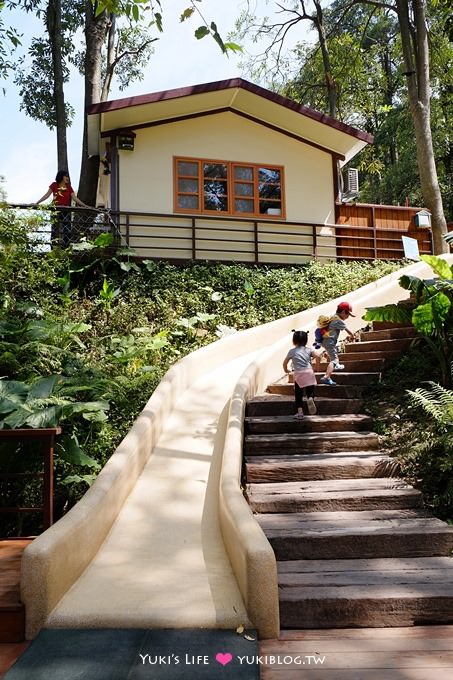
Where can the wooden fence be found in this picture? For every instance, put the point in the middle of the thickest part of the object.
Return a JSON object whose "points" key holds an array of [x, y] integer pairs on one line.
{"points": [[376, 230]]}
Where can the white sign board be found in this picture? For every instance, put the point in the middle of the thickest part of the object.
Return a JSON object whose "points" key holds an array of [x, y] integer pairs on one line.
{"points": [[410, 246]]}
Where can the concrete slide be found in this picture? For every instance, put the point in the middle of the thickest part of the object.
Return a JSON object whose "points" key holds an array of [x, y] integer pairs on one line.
{"points": [[164, 537]]}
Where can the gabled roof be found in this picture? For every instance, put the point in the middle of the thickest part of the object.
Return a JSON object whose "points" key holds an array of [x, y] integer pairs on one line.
{"points": [[242, 98]]}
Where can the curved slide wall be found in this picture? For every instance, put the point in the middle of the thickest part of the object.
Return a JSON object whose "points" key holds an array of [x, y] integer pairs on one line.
{"points": [[164, 537]]}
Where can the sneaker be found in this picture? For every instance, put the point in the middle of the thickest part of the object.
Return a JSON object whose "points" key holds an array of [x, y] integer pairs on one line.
{"points": [[327, 381], [338, 367], [311, 406], [299, 416]]}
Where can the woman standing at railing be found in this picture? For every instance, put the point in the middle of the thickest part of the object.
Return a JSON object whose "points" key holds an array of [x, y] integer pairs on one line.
{"points": [[63, 195]]}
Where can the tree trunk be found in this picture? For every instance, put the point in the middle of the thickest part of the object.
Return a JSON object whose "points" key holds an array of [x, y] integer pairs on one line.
{"points": [[96, 30], [111, 56], [53, 23], [331, 86], [389, 92], [414, 38]]}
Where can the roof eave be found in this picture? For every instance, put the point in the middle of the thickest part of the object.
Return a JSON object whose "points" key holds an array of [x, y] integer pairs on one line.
{"points": [[233, 83]]}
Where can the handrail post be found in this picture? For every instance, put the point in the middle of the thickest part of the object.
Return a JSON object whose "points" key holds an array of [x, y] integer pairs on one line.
{"points": [[315, 242], [256, 240], [194, 238], [47, 500], [373, 224], [128, 229]]}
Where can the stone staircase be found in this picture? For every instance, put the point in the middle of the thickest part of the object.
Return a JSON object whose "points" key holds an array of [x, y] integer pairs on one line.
{"points": [[354, 545]]}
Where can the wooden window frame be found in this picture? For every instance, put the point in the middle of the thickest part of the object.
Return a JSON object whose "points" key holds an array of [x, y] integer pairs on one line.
{"points": [[232, 197]]}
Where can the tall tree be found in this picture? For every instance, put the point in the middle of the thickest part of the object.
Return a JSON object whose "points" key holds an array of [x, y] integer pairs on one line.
{"points": [[54, 31], [41, 85], [109, 51], [413, 34], [414, 40], [366, 66], [102, 59], [97, 26]]}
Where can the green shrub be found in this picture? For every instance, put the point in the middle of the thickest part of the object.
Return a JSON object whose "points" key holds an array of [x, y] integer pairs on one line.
{"points": [[109, 329], [431, 312], [429, 461]]}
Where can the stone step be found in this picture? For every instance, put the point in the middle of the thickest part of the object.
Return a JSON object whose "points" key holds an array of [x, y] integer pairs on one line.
{"points": [[389, 334], [383, 346], [308, 442], [283, 405], [315, 423], [362, 365], [339, 391], [344, 465], [366, 593], [360, 534], [332, 494], [387, 357], [351, 379], [388, 325]]}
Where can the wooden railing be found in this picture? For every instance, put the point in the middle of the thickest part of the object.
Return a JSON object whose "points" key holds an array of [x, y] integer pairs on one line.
{"points": [[46, 436], [162, 236], [361, 232]]}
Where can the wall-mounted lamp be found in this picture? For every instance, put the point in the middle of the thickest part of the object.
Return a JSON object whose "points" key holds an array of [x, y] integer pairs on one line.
{"points": [[126, 140], [423, 218]]}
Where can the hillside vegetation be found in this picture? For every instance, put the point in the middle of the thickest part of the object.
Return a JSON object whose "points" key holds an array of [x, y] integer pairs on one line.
{"points": [[86, 336]]}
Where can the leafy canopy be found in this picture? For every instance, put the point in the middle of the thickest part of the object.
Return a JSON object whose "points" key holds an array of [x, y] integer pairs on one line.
{"points": [[136, 10]]}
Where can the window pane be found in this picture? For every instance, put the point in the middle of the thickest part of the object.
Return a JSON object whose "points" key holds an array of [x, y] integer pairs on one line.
{"points": [[188, 185], [268, 175], [243, 205], [215, 170], [188, 202], [216, 195], [188, 168], [243, 173], [218, 203], [269, 191], [241, 189], [266, 205]]}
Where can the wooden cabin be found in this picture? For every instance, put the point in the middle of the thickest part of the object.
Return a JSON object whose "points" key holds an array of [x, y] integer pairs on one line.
{"points": [[230, 171]]}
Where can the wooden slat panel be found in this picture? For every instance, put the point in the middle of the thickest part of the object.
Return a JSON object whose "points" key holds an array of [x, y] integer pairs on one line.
{"points": [[355, 238]]}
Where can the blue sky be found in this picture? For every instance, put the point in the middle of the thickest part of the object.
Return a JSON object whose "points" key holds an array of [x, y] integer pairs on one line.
{"points": [[28, 160]]}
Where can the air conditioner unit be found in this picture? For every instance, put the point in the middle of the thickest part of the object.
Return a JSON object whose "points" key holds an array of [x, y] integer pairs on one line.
{"points": [[351, 182]]}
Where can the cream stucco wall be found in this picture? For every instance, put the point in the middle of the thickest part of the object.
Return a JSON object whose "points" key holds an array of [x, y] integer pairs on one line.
{"points": [[146, 174]]}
